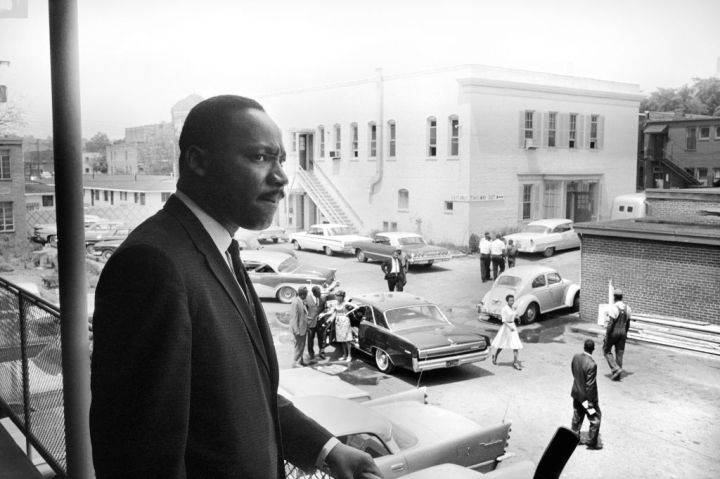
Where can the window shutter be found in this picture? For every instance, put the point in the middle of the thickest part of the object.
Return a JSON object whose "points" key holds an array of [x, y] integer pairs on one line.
{"points": [[545, 120], [581, 142], [521, 129], [600, 132], [563, 126]]}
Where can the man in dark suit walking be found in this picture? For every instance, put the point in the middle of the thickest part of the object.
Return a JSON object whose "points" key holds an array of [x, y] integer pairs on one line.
{"points": [[315, 305], [395, 269], [184, 371], [585, 395]]}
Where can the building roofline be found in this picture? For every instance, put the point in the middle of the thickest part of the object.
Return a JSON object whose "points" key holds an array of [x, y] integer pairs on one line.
{"points": [[690, 194], [660, 230]]}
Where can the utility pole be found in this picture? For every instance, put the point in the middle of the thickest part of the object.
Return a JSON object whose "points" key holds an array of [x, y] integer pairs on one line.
{"points": [[37, 151]]}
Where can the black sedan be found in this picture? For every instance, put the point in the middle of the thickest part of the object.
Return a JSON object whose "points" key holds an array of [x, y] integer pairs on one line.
{"points": [[406, 331]]}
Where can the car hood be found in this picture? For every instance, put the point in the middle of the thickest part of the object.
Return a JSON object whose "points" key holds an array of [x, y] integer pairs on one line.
{"points": [[427, 337]]}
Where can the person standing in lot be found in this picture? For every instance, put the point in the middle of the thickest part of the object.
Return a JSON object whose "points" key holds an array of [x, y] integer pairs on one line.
{"points": [[184, 371], [315, 305], [511, 253], [585, 394], [485, 257], [299, 325], [618, 324], [395, 270], [343, 329], [497, 255], [507, 336]]}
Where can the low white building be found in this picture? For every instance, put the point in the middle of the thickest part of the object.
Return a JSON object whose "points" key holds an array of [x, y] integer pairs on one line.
{"points": [[455, 151], [138, 190]]}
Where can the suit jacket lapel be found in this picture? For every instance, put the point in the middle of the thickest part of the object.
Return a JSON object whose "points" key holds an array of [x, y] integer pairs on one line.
{"points": [[220, 269]]}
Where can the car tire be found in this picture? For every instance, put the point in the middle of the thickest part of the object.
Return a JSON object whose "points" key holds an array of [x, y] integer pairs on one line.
{"points": [[576, 303], [360, 255], [275, 240], [549, 252], [106, 254], [328, 251], [383, 362], [531, 314], [89, 249], [286, 294], [296, 245]]}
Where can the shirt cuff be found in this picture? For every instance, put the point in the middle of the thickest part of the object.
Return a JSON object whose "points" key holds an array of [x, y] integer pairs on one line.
{"points": [[332, 442]]}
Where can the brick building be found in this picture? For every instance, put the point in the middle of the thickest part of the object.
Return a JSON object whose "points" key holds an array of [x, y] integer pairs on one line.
{"points": [[12, 191], [667, 264]]}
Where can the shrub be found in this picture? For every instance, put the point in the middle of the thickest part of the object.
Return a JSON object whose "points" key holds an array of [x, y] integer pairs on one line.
{"points": [[474, 243]]}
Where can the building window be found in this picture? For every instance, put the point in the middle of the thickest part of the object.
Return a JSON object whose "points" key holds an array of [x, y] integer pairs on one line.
{"points": [[142, 199], [164, 196], [389, 226], [527, 202], [123, 196], [106, 195], [338, 141], [391, 139], [691, 138], [372, 136], [136, 197], [403, 199], [48, 201], [572, 131], [97, 194], [552, 201], [529, 125], [717, 132], [6, 216], [5, 164], [431, 137], [321, 137], [704, 133], [702, 176], [551, 131], [454, 135], [449, 206], [354, 140], [594, 119]]}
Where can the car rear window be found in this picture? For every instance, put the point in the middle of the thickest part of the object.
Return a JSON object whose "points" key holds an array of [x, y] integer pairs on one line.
{"points": [[411, 240], [509, 281], [290, 264], [413, 316], [535, 229]]}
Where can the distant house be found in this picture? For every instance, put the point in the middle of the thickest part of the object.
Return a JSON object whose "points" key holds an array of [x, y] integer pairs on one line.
{"points": [[119, 190], [679, 150], [12, 191], [39, 196]]}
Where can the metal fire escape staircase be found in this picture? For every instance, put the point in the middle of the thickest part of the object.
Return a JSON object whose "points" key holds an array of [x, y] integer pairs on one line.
{"points": [[328, 199]]}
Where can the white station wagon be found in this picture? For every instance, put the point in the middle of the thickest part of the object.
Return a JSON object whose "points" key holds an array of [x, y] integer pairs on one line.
{"points": [[546, 236]]}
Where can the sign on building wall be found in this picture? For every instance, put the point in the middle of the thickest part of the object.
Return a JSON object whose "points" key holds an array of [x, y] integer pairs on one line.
{"points": [[474, 198]]}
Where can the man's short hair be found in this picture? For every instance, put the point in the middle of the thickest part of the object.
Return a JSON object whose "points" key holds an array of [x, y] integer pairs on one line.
{"points": [[302, 290], [589, 346], [208, 120], [316, 289], [507, 298], [618, 294]]}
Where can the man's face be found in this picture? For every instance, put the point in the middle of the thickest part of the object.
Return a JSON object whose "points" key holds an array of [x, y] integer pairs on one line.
{"points": [[244, 172]]}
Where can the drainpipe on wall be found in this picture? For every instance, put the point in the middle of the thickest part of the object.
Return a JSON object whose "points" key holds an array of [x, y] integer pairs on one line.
{"points": [[380, 124]]}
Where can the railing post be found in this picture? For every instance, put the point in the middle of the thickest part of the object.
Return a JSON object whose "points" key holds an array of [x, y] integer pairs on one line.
{"points": [[22, 316], [67, 137]]}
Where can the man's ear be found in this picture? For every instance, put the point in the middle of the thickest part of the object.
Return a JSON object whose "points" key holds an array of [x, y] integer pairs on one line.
{"points": [[197, 160]]}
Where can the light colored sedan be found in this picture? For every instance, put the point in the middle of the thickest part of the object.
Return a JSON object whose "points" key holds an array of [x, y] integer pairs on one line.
{"points": [[546, 236], [275, 274], [404, 434], [537, 290]]}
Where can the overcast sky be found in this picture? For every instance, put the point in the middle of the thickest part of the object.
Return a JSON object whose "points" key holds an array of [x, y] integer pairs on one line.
{"points": [[137, 58]]}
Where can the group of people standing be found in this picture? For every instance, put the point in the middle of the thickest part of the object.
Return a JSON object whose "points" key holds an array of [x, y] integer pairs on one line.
{"points": [[493, 253], [310, 316]]}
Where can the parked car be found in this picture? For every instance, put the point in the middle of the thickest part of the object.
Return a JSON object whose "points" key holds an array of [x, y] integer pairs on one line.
{"points": [[405, 434], [46, 232], [327, 237], [106, 248], [273, 234], [413, 246], [537, 289], [105, 230], [276, 274], [546, 236], [406, 331]]}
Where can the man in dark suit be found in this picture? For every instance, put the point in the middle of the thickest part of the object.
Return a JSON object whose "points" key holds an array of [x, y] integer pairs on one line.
{"points": [[395, 269], [184, 371], [299, 325], [585, 395], [315, 305]]}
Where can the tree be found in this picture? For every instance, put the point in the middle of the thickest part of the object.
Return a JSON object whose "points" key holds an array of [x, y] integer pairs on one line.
{"points": [[97, 144], [702, 98], [707, 90], [12, 118]]}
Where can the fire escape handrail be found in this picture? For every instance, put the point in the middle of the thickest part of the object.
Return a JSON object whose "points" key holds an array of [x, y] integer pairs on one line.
{"points": [[346, 203]]}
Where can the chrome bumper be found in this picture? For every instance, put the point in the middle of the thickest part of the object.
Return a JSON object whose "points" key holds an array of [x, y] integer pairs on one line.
{"points": [[449, 361]]}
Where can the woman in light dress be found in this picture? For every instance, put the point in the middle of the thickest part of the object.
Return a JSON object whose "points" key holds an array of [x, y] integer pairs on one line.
{"points": [[507, 336], [343, 331]]}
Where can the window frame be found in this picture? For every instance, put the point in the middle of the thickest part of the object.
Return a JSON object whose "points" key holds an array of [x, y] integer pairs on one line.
{"points": [[403, 199], [552, 129], [593, 141], [7, 217], [337, 132], [573, 131], [321, 143], [372, 139], [691, 138], [700, 133], [453, 136], [354, 141], [431, 149], [5, 170]]}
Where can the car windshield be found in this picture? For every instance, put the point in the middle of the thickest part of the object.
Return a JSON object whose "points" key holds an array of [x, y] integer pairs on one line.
{"points": [[290, 264], [414, 316], [508, 281], [411, 240], [339, 231], [535, 229]]}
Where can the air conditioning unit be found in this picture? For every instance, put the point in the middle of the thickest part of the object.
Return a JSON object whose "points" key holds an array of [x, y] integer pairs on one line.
{"points": [[335, 155], [530, 144]]}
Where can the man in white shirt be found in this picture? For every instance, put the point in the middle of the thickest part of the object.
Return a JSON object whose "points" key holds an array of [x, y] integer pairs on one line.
{"points": [[618, 324], [485, 257], [497, 255], [394, 269]]}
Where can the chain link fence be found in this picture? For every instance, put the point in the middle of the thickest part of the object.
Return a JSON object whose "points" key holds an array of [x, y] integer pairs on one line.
{"points": [[131, 215]]}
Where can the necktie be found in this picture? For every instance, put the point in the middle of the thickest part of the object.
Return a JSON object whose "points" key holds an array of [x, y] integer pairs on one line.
{"points": [[239, 270]]}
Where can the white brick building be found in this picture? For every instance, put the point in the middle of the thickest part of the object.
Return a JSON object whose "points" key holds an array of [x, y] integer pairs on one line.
{"points": [[456, 151]]}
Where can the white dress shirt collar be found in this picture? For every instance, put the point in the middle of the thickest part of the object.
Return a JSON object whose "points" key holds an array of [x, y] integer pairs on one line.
{"points": [[220, 236]]}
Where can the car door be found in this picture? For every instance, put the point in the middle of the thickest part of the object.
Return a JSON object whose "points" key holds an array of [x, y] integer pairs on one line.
{"points": [[539, 289], [315, 238], [368, 330], [556, 290], [381, 248]]}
